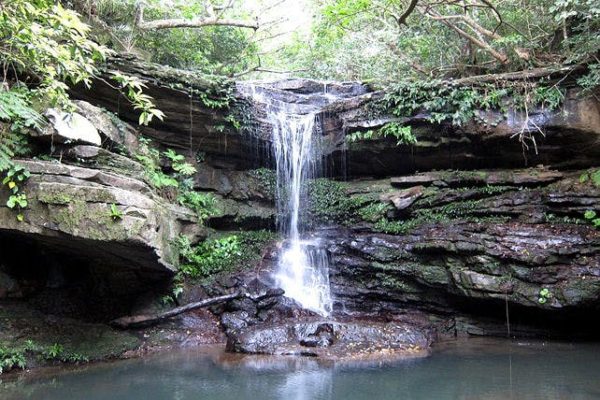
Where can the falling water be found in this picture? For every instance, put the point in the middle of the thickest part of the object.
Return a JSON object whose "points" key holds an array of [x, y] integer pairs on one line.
{"points": [[302, 270]]}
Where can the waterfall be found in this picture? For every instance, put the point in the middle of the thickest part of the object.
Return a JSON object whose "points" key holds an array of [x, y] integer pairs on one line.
{"points": [[303, 270], [303, 267]]}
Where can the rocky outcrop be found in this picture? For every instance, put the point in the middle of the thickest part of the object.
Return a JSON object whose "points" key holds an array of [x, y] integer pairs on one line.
{"points": [[199, 111], [414, 254], [69, 212], [332, 339], [566, 137], [473, 243]]}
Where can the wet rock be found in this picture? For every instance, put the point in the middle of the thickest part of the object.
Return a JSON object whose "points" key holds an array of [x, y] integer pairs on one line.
{"points": [[403, 199], [529, 177], [325, 338], [245, 304], [235, 321]]}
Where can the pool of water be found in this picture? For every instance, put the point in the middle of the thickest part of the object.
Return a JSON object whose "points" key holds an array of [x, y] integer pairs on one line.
{"points": [[471, 369]]}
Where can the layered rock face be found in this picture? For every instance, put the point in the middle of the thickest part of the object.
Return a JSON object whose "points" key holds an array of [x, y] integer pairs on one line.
{"points": [[482, 243]]}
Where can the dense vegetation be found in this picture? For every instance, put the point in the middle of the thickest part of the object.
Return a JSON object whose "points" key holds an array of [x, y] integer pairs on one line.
{"points": [[393, 39]]}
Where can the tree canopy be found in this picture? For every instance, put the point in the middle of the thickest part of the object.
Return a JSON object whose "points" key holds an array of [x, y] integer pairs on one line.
{"points": [[396, 39]]}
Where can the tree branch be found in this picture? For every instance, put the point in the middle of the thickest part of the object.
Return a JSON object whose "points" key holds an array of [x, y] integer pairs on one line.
{"points": [[409, 10], [502, 58], [212, 20]]}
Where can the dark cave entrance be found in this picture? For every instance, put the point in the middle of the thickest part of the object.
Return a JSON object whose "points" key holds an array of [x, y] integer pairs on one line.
{"points": [[69, 277]]}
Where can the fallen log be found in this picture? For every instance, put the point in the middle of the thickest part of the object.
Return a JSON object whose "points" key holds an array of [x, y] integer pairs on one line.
{"points": [[141, 321]]}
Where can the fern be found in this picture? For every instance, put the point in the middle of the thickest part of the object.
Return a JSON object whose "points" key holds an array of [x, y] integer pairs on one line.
{"points": [[16, 111], [16, 106], [7, 146]]}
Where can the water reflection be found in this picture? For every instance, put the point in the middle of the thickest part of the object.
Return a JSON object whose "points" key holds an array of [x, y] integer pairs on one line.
{"points": [[472, 370]]}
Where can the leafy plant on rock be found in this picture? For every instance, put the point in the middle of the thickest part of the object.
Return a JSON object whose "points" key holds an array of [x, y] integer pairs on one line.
{"points": [[544, 296], [209, 257], [11, 359], [13, 178], [402, 133], [114, 213]]}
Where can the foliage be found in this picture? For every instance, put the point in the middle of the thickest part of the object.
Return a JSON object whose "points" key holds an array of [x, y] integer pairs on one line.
{"points": [[329, 202], [44, 48], [114, 213], [209, 257], [16, 110], [11, 359], [591, 216], [460, 104], [582, 43], [592, 176], [368, 40], [402, 134], [13, 178], [149, 157], [54, 352], [544, 296], [204, 204], [267, 178], [133, 88], [221, 254], [179, 164], [217, 50], [49, 42]]}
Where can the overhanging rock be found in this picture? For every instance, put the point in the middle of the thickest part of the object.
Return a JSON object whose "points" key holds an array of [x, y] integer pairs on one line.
{"points": [[69, 213]]}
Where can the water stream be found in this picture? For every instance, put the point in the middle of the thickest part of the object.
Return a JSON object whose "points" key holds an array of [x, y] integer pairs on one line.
{"points": [[303, 270]]}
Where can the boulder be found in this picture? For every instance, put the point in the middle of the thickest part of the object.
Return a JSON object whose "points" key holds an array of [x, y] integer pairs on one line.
{"points": [[330, 339], [109, 126], [69, 128], [404, 198]]}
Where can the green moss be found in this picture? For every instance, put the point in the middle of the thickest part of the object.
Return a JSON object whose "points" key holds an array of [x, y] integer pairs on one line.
{"points": [[330, 202], [374, 212], [398, 285], [93, 221], [467, 176], [52, 197], [71, 217]]}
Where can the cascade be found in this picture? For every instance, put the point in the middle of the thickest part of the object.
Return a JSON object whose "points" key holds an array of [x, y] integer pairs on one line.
{"points": [[302, 268]]}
